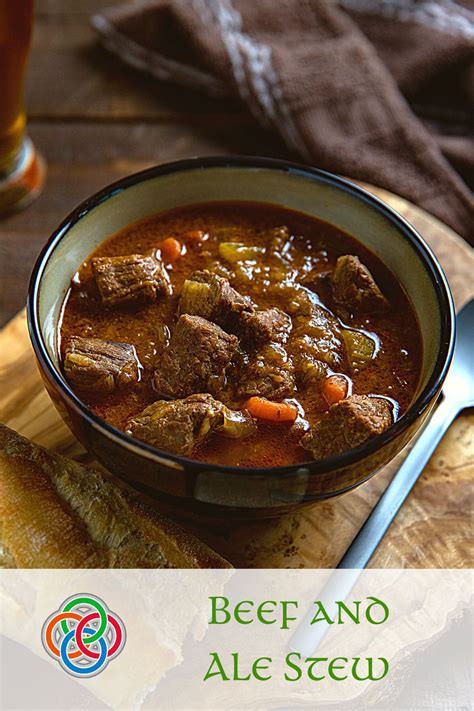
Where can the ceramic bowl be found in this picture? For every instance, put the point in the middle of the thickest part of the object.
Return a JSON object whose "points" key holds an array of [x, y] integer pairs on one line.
{"points": [[221, 490]]}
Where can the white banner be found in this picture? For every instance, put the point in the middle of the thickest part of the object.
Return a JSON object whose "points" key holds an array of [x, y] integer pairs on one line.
{"points": [[244, 639]]}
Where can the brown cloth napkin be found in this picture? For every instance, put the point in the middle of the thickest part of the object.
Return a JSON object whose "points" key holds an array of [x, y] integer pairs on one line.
{"points": [[379, 90]]}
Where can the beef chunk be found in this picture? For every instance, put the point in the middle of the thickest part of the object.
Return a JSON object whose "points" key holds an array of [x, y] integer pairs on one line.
{"points": [[212, 297], [131, 279], [269, 373], [196, 359], [265, 326], [179, 426], [347, 424], [354, 287], [92, 364]]}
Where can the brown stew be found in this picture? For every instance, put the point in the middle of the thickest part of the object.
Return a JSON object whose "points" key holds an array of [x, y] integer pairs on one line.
{"points": [[241, 334]]}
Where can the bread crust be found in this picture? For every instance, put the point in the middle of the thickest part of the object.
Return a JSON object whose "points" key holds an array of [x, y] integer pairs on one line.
{"points": [[58, 513]]}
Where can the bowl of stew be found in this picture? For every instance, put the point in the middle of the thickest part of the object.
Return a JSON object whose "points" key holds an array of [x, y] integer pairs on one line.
{"points": [[240, 335]]}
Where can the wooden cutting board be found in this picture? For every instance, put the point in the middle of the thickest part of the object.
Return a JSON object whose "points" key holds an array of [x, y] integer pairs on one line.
{"points": [[434, 528]]}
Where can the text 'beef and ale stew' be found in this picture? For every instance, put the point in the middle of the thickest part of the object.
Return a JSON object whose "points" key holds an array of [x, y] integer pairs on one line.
{"points": [[240, 334]]}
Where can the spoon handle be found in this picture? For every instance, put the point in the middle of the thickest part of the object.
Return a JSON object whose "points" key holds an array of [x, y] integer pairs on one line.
{"points": [[365, 543]]}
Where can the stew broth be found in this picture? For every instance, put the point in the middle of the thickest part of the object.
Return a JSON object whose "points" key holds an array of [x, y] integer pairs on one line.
{"points": [[271, 278]]}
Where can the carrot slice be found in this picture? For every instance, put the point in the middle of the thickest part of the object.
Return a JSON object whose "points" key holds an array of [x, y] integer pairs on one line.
{"points": [[170, 249], [264, 409], [335, 388]]}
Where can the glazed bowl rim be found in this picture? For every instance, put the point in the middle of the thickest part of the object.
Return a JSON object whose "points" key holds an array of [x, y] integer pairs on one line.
{"points": [[350, 457]]}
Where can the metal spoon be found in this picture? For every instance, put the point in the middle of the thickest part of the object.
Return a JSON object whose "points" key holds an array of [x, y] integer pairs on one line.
{"points": [[458, 393]]}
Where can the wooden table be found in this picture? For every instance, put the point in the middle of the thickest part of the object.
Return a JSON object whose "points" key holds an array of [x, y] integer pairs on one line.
{"points": [[95, 121]]}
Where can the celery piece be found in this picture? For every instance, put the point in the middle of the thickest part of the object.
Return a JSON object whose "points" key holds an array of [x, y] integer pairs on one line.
{"points": [[237, 252], [361, 348]]}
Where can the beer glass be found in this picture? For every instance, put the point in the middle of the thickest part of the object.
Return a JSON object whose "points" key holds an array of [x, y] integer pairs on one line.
{"points": [[21, 168]]}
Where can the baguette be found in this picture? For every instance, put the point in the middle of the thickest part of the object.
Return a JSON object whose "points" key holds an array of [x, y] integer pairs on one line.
{"points": [[58, 513]]}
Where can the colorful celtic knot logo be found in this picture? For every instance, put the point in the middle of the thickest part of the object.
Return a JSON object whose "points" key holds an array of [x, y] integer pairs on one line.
{"points": [[83, 635]]}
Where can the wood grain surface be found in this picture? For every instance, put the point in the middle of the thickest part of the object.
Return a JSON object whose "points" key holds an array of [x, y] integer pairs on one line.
{"points": [[95, 120]]}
